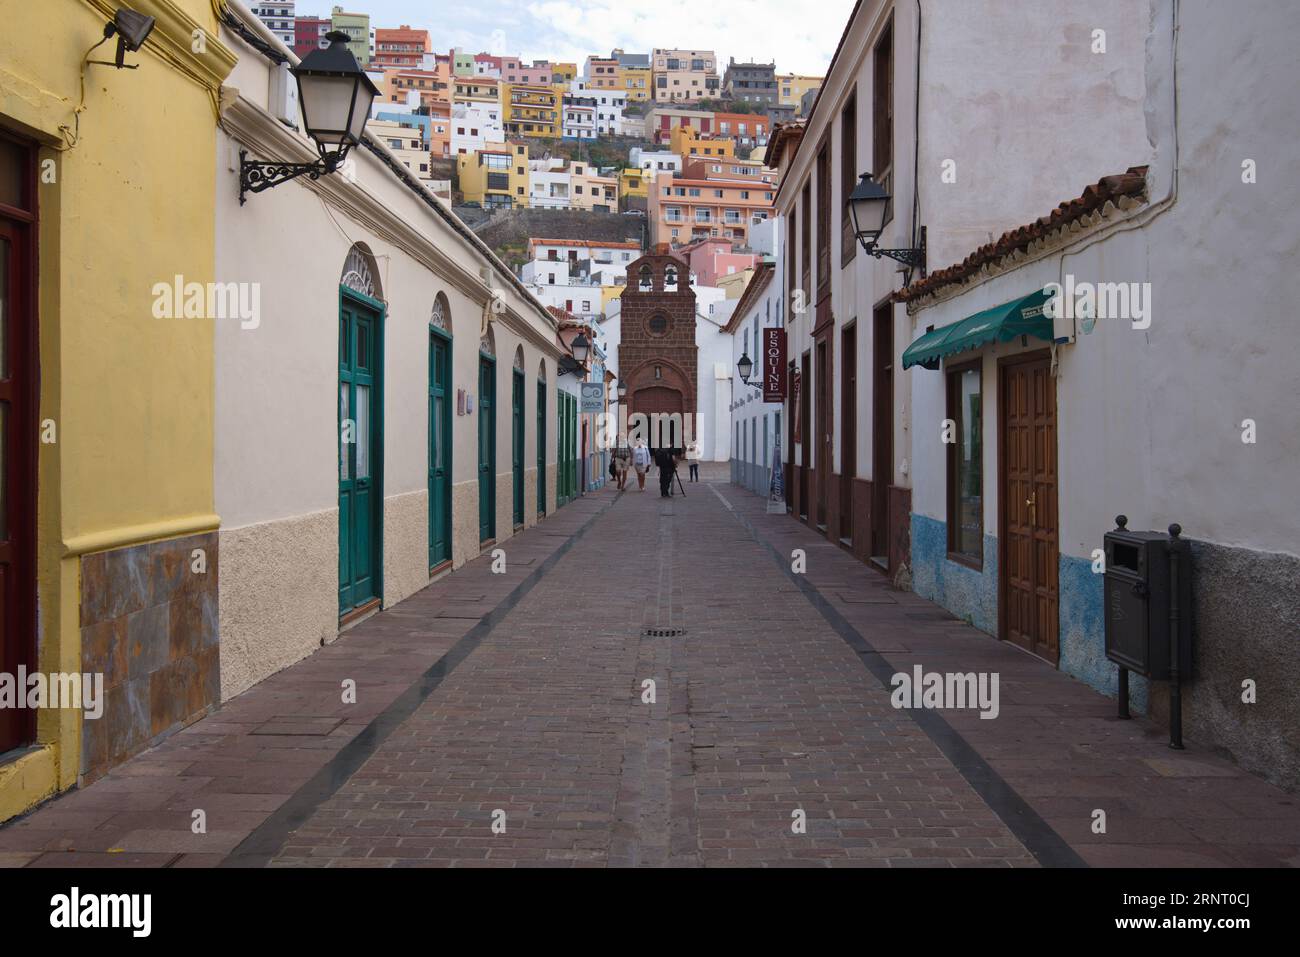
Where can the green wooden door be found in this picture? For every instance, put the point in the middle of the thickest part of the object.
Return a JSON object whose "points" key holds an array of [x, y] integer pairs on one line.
{"points": [[561, 448], [571, 447], [517, 444], [439, 448], [360, 451], [487, 448], [541, 448]]}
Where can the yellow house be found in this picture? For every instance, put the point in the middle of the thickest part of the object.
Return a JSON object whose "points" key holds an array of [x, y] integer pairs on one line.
{"points": [[607, 295], [636, 80], [108, 192], [686, 141], [791, 87], [529, 109], [562, 75], [495, 177], [634, 182]]}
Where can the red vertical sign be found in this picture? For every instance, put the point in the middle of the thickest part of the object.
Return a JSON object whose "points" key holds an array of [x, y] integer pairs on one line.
{"points": [[774, 373]]}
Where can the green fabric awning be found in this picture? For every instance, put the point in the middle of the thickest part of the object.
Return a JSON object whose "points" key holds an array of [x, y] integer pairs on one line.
{"points": [[1020, 317]]}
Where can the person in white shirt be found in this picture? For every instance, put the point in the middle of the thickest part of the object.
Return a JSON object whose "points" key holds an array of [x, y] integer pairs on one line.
{"points": [[640, 462], [693, 459]]}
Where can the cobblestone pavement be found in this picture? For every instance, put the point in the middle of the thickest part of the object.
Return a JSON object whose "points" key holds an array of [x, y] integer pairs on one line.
{"points": [[506, 720]]}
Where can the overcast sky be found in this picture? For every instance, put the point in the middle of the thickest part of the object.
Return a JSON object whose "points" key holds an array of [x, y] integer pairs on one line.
{"points": [[799, 36]]}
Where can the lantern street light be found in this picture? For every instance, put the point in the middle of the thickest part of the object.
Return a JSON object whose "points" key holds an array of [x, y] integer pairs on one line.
{"points": [[745, 367], [336, 95], [576, 363], [869, 204]]}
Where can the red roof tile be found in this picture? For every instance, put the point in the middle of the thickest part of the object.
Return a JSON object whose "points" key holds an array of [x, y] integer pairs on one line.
{"points": [[1132, 183]]}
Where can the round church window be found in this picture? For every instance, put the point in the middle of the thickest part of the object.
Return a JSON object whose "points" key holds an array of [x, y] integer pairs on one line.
{"points": [[658, 325]]}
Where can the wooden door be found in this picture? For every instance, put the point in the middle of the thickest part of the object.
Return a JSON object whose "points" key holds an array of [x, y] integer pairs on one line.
{"points": [[1027, 492], [487, 448], [439, 449], [18, 439], [848, 429], [360, 420], [882, 430], [824, 444], [805, 434]]}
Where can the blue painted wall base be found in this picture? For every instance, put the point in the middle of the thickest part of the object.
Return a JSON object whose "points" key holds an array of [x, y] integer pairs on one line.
{"points": [[972, 595]]}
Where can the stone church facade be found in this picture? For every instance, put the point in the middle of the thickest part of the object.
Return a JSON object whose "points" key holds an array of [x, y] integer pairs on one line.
{"points": [[658, 357]]}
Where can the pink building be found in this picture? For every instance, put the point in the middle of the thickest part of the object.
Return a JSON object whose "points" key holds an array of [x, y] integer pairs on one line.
{"points": [[711, 259]]}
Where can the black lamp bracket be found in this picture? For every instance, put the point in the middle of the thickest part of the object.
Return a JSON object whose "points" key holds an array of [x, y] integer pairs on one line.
{"points": [[911, 258], [255, 176]]}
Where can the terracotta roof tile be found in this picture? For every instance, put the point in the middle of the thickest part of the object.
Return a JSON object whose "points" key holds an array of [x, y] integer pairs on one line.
{"points": [[1131, 183]]}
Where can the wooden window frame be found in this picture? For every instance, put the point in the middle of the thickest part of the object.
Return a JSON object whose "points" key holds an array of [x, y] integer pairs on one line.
{"points": [[805, 241], [882, 112], [952, 513], [823, 164], [848, 177]]}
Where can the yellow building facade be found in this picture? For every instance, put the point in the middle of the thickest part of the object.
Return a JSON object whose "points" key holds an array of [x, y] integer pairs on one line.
{"points": [[495, 177], [108, 382], [791, 87], [637, 81], [530, 110], [686, 141], [634, 182]]}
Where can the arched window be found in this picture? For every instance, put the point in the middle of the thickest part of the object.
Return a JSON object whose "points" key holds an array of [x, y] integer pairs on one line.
{"points": [[519, 358], [440, 317], [670, 278], [487, 345], [359, 273], [646, 282]]}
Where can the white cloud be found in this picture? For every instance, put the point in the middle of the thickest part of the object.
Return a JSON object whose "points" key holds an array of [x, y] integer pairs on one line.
{"points": [[800, 38]]}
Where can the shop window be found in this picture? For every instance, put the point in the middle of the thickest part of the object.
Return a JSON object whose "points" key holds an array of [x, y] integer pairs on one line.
{"points": [[965, 444]]}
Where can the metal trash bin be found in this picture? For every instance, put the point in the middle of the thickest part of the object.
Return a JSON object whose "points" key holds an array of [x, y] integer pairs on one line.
{"points": [[1148, 612]]}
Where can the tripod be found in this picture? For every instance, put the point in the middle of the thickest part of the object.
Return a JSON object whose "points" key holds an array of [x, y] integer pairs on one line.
{"points": [[677, 475]]}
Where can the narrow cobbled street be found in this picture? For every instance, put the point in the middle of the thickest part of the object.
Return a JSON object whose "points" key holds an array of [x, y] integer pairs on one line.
{"points": [[531, 736]]}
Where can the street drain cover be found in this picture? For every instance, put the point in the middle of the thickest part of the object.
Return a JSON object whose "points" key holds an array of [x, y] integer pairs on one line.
{"points": [[663, 632]]}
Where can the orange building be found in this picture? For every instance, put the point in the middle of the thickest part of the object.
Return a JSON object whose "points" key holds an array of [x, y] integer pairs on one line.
{"points": [[746, 129], [400, 49], [432, 85], [439, 128], [685, 209]]}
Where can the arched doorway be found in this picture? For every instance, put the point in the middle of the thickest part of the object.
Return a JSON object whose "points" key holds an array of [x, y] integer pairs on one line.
{"points": [[439, 432], [487, 437], [541, 438], [361, 418], [517, 438], [657, 404]]}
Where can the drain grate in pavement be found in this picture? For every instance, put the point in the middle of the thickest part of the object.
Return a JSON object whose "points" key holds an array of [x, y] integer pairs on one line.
{"points": [[663, 632]]}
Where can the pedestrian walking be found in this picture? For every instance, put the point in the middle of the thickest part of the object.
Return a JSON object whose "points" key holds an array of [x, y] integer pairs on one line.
{"points": [[619, 462], [666, 459], [640, 462], [693, 459]]}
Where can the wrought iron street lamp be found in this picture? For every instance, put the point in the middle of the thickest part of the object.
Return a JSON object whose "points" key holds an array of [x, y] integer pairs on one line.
{"points": [[577, 363], [745, 367], [869, 204], [622, 389], [336, 95]]}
